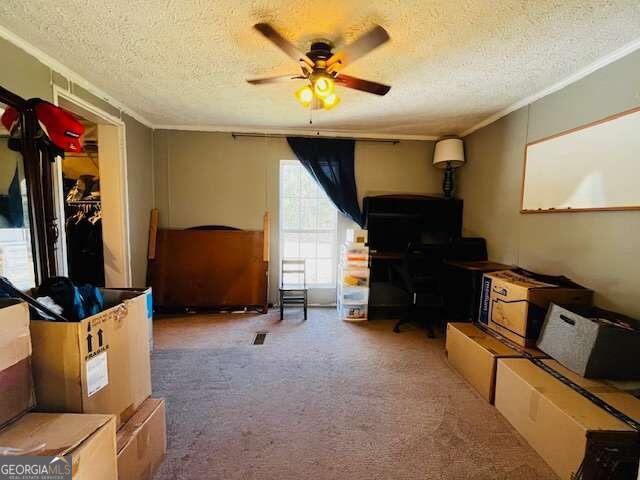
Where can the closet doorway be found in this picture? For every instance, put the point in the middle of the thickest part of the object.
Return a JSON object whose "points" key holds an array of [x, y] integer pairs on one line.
{"points": [[91, 200], [83, 210]]}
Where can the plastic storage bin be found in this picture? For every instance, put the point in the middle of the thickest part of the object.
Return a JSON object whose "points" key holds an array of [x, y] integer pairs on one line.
{"points": [[352, 312], [354, 295], [355, 252], [355, 277]]}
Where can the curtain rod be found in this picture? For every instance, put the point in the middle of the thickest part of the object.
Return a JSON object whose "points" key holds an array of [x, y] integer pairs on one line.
{"points": [[280, 135]]}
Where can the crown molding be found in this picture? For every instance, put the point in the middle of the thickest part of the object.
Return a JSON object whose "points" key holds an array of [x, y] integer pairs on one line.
{"points": [[295, 131], [573, 78], [69, 74], [79, 80]]}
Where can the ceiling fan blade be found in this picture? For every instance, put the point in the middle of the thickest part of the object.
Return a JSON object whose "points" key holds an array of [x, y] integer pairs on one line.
{"points": [[364, 85], [359, 48], [282, 43], [276, 79]]}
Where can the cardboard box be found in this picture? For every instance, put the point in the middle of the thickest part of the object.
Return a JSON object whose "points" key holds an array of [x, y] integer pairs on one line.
{"points": [[474, 354], [514, 302], [89, 439], [142, 442], [463, 282], [98, 365], [559, 423], [592, 342], [16, 381]]}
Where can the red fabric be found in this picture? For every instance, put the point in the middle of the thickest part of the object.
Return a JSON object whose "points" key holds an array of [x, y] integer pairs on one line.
{"points": [[60, 126], [10, 118]]}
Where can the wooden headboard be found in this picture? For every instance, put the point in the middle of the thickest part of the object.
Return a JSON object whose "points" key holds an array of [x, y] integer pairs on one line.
{"points": [[210, 269]]}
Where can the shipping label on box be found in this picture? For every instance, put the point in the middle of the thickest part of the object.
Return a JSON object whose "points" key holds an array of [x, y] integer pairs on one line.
{"points": [[97, 373]]}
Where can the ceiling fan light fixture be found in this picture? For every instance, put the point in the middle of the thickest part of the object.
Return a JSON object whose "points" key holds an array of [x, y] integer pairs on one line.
{"points": [[322, 66], [324, 86], [305, 95], [330, 101]]}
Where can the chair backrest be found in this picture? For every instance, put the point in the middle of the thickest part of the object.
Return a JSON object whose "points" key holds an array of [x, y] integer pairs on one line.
{"points": [[422, 265], [426, 260], [291, 268], [468, 249]]}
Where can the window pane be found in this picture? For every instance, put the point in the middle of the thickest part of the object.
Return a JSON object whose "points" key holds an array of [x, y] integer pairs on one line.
{"points": [[290, 213], [290, 246], [308, 225], [310, 265], [307, 245], [325, 271], [326, 214], [308, 186], [291, 179], [326, 245], [309, 219]]}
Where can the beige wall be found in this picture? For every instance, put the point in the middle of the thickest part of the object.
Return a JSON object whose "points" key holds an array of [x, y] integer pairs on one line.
{"points": [[598, 249], [141, 195], [27, 77], [213, 179]]}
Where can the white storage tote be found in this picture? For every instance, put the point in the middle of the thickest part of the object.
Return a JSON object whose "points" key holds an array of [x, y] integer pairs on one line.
{"points": [[353, 313], [354, 295], [354, 277]]}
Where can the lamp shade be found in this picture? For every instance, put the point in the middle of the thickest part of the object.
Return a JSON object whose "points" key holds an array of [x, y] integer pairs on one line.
{"points": [[449, 151]]}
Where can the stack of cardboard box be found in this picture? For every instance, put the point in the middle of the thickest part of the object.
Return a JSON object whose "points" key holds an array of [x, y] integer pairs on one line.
{"points": [[91, 388], [499, 358]]}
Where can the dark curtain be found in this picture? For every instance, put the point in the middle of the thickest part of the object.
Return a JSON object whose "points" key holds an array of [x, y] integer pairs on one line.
{"points": [[331, 162]]}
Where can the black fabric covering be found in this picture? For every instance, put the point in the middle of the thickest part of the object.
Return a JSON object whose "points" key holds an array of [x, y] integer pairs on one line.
{"points": [[11, 204], [331, 162], [84, 252]]}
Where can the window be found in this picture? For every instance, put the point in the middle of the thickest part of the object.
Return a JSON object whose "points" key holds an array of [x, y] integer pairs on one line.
{"points": [[308, 224]]}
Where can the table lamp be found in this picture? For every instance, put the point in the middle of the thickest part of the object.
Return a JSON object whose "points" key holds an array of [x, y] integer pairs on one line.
{"points": [[449, 155]]}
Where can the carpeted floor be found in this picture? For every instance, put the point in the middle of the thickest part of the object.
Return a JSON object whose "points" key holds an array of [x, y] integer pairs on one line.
{"points": [[323, 399]]}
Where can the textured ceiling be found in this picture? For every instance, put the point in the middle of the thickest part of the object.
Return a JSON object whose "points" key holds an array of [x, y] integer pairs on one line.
{"points": [[451, 63]]}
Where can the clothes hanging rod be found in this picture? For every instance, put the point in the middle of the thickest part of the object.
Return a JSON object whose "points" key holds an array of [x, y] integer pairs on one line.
{"points": [[84, 202], [280, 135]]}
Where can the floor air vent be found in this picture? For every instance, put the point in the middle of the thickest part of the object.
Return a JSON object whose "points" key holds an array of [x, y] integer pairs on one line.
{"points": [[260, 338]]}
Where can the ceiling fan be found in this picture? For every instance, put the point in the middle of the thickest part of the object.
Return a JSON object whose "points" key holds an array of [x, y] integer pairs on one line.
{"points": [[322, 67]]}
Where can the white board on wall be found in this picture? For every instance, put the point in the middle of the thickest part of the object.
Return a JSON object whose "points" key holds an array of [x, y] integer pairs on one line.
{"points": [[594, 167]]}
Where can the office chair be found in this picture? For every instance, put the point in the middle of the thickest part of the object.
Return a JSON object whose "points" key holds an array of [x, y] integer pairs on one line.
{"points": [[420, 275], [468, 249]]}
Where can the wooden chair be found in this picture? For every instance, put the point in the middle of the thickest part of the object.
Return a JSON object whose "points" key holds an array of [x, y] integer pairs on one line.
{"points": [[293, 293]]}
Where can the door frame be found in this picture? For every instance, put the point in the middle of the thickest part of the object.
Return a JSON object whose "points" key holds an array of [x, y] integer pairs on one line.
{"points": [[119, 247]]}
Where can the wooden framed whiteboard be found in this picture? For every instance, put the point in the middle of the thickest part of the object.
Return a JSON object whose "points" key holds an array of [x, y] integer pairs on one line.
{"points": [[592, 167]]}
